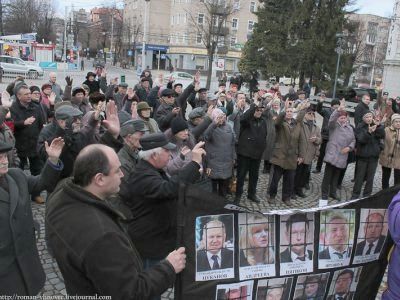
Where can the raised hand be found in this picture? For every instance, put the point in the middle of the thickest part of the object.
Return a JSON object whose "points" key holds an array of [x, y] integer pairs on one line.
{"points": [[68, 80], [197, 76], [52, 98], [112, 121], [198, 152], [54, 150]]}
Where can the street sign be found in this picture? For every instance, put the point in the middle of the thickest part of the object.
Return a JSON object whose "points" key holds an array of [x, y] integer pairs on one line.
{"points": [[130, 52]]}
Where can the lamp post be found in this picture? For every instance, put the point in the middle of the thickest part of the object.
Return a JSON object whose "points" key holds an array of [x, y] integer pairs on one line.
{"points": [[144, 35], [339, 50]]}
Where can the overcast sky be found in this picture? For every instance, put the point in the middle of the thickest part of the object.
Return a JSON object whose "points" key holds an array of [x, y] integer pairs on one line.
{"points": [[377, 7]]}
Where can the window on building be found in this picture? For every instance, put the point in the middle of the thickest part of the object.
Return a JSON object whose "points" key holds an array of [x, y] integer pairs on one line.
{"points": [[236, 4], [235, 23], [250, 26], [200, 19], [253, 7], [200, 62], [185, 38], [368, 54], [372, 32], [199, 38], [364, 71], [177, 38], [229, 64], [221, 41]]}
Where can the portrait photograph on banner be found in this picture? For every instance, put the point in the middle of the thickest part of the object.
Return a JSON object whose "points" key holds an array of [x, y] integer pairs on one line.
{"points": [[256, 246], [372, 235], [311, 287], [336, 238], [296, 243], [235, 291], [214, 247], [344, 284], [277, 288]]}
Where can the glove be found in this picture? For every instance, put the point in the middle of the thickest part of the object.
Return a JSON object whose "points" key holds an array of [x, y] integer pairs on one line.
{"points": [[68, 80]]}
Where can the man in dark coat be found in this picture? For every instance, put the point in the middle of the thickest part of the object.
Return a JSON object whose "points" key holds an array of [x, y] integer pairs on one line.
{"points": [[95, 85], [361, 109], [21, 271], [325, 114], [168, 110], [252, 140], [28, 121], [88, 234], [214, 256], [374, 240], [151, 196]]}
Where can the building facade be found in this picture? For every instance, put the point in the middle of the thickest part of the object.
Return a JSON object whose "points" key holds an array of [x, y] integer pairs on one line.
{"points": [[176, 33], [372, 38]]}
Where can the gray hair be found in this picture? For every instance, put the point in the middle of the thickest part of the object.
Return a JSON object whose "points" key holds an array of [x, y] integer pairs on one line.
{"points": [[146, 154]]}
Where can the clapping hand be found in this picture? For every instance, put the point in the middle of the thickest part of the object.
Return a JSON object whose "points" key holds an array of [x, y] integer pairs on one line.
{"points": [[371, 128]]}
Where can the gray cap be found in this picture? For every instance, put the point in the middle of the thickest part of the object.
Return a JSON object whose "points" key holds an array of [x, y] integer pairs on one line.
{"points": [[65, 112], [198, 112], [123, 117], [155, 140], [132, 126], [211, 97]]}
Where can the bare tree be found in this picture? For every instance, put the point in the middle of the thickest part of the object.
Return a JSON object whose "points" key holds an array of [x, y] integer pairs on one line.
{"points": [[208, 19]]}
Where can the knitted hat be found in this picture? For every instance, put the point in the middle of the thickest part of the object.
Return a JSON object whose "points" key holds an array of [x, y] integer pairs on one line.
{"points": [[177, 125], [395, 117], [367, 114], [46, 86], [34, 88]]}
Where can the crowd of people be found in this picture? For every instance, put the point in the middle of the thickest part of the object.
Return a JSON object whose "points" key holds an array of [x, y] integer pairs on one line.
{"points": [[119, 153]]}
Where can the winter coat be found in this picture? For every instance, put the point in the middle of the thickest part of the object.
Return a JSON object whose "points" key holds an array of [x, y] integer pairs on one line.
{"points": [[393, 290], [74, 143], [164, 115], [96, 85], [26, 136], [151, 196], [93, 250], [369, 145], [198, 131], [309, 150], [234, 121], [288, 141], [339, 137], [142, 93], [271, 133], [118, 97], [56, 89], [21, 270], [220, 149], [360, 110], [128, 159], [326, 114], [178, 161], [252, 135], [7, 136], [390, 156]]}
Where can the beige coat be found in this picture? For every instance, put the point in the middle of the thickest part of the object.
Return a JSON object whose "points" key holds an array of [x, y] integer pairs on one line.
{"points": [[390, 156], [309, 150], [287, 142]]}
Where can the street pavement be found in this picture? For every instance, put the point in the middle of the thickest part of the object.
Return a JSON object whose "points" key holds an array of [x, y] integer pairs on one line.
{"points": [[54, 285]]}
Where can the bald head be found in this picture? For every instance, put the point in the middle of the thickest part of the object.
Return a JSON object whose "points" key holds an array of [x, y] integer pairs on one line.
{"points": [[53, 77], [92, 160]]}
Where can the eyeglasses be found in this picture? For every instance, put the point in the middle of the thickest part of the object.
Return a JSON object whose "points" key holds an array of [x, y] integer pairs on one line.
{"points": [[35, 93], [169, 96]]}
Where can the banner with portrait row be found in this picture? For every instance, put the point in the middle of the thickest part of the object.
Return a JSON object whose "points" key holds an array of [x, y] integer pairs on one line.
{"points": [[334, 252]]}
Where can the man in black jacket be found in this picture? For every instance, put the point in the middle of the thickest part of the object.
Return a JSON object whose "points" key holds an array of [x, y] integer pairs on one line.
{"points": [[88, 234], [28, 121], [21, 271], [252, 140], [151, 196], [325, 114], [361, 109]]}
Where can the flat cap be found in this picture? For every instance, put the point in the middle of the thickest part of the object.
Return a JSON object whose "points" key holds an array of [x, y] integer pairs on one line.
{"points": [[167, 92], [142, 105], [5, 147], [155, 140], [198, 112], [64, 112], [132, 126], [123, 117]]}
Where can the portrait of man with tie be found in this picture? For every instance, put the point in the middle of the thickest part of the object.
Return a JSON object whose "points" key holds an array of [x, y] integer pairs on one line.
{"points": [[297, 241], [274, 289], [344, 284], [372, 232], [311, 287], [235, 291], [338, 231], [213, 253]]}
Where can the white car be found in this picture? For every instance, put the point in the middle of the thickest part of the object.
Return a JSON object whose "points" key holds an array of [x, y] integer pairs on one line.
{"points": [[180, 77], [15, 66]]}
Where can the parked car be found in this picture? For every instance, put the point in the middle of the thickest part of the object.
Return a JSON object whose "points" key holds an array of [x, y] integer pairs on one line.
{"points": [[284, 81], [355, 94], [180, 77], [16, 66]]}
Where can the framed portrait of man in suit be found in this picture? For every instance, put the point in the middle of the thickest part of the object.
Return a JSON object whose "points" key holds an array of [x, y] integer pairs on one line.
{"points": [[274, 289], [336, 238], [256, 246], [311, 287], [344, 284], [371, 236], [296, 243], [235, 291], [214, 247]]}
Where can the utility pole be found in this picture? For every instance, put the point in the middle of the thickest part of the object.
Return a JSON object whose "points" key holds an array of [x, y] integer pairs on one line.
{"points": [[144, 35], [65, 34], [1, 18], [112, 32]]}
